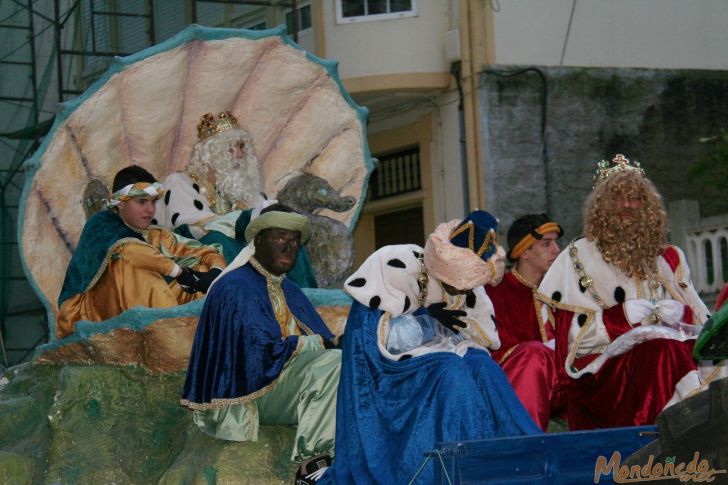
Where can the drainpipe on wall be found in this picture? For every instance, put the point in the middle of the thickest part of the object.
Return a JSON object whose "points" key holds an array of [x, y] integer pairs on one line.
{"points": [[471, 11], [455, 69]]}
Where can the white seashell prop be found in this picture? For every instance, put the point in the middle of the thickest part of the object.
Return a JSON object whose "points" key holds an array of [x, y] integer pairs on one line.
{"points": [[145, 110]]}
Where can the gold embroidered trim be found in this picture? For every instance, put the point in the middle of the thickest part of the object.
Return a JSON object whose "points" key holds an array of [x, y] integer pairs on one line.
{"points": [[277, 299], [454, 302], [507, 354], [704, 385], [522, 280], [490, 238], [299, 347], [383, 329], [302, 326], [585, 280], [539, 319], [422, 281], [534, 295], [481, 333], [259, 267], [110, 255], [574, 309], [223, 403]]}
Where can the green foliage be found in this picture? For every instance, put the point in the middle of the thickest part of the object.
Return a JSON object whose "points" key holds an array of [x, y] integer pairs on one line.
{"points": [[712, 169]]}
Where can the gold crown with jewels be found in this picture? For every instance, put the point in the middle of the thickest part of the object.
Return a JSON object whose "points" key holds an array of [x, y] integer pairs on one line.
{"points": [[619, 164], [209, 125]]}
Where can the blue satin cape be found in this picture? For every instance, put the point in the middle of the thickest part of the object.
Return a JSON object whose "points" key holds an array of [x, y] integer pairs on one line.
{"points": [[390, 413], [238, 347]]}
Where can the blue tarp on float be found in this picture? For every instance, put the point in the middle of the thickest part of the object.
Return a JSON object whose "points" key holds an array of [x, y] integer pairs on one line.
{"points": [[551, 458]]}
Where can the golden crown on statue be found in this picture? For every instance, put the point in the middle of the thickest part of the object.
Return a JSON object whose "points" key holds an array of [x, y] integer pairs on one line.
{"points": [[209, 125], [619, 164]]}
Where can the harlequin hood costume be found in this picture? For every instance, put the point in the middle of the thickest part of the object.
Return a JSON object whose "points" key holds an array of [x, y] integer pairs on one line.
{"points": [[390, 412]]}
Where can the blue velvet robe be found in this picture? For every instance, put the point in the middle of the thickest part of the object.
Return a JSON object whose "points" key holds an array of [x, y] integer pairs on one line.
{"points": [[238, 348], [390, 413]]}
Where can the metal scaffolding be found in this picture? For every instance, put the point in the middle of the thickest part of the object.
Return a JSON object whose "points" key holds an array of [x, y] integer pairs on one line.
{"points": [[57, 50]]}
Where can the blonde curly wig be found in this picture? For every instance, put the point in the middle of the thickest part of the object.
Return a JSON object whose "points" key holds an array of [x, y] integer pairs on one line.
{"points": [[632, 246]]}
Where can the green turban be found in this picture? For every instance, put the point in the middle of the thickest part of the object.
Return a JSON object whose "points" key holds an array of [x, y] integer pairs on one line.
{"points": [[280, 220]]}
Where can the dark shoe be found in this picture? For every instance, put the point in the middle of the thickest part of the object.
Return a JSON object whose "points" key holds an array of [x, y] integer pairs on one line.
{"points": [[312, 470]]}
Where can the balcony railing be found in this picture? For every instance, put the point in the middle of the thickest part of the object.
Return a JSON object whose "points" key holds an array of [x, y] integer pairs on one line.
{"points": [[705, 242], [397, 173]]}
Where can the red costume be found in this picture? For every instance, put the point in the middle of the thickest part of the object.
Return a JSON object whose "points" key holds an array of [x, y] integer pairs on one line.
{"points": [[614, 372], [722, 297], [529, 364], [625, 322]]}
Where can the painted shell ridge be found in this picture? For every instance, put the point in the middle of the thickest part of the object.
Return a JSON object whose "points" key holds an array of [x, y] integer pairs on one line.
{"points": [[145, 110]]}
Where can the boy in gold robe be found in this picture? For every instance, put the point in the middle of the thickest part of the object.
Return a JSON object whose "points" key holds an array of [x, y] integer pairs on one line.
{"points": [[122, 261]]}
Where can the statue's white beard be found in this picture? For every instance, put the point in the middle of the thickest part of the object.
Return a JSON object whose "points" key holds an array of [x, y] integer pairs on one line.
{"points": [[240, 181], [237, 179]]}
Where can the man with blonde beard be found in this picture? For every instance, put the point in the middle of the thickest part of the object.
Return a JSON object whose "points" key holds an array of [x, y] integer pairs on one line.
{"points": [[625, 311]]}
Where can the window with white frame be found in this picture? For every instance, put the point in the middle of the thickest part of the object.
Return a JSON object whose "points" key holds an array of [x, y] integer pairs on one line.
{"points": [[348, 11]]}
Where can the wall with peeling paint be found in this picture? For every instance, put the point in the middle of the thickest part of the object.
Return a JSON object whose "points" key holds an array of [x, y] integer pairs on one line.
{"points": [[657, 117]]}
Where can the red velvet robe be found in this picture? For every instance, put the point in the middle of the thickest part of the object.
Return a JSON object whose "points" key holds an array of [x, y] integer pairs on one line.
{"points": [[721, 298], [628, 390], [632, 388], [529, 364]]}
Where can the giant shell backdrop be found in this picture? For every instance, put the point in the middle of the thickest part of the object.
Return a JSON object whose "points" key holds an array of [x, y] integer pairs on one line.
{"points": [[145, 110]]}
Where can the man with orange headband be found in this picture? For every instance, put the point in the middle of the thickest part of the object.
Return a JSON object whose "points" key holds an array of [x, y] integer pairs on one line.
{"points": [[122, 261], [527, 341], [626, 313]]}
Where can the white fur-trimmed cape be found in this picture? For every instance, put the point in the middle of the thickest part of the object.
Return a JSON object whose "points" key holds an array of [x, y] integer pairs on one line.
{"points": [[387, 280]]}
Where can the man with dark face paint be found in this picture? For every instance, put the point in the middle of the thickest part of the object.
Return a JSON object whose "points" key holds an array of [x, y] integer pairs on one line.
{"points": [[261, 354], [276, 249]]}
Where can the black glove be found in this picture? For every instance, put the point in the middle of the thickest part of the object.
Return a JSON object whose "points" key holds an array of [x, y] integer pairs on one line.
{"points": [[188, 279], [329, 344], [205, 279], [447, 317], [192, 281]]}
